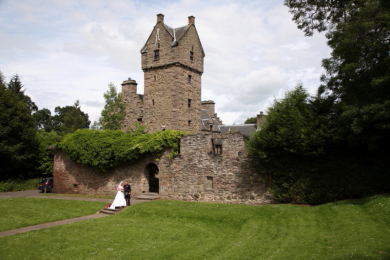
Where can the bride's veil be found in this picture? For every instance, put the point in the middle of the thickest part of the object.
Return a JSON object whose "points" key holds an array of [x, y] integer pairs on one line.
{"points": [[119, 186]]}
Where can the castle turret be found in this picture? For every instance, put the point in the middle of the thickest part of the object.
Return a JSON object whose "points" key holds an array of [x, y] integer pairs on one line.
{"points": [[133, 102]]}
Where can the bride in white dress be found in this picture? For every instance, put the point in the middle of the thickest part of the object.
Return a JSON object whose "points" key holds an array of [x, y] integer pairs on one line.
{"points": [[119, 200]]}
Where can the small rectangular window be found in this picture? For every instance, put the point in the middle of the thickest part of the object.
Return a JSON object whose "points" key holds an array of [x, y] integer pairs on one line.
{"points": [[191, 56], [154, 78], [152, 102], [189, 78], [156, 54], [209, 183], [189, 122], [139, 119], [189, 103]]}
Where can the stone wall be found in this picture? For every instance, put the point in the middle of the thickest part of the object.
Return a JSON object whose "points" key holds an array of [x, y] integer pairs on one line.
{"points": [[72, 178], [197, 174], [188, 177], [166, 99]]}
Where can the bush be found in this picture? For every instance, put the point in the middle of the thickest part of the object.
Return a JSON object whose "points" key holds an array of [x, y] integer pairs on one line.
{"points": [[338, 174], [102, 150], [19, 185]]}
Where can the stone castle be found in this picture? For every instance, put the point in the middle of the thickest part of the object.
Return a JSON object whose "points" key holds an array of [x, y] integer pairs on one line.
{"points": [[213, 164]]}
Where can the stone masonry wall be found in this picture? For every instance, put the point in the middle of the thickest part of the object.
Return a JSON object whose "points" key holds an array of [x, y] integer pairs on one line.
{"points": [[233, 179], [72, 178], [166, 100], [195, 175]]}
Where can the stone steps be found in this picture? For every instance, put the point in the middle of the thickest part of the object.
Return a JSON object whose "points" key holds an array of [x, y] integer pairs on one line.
{"points": [[111, 211], [148, 196]]}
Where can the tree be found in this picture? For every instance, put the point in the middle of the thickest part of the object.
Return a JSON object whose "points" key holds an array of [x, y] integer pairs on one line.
{"points": [[45, 157], [357, 75], [18, 144], [292, 128], [114, 110], [251, 120], [70, 118], [16, 86], [43, 120], [3, 84]]}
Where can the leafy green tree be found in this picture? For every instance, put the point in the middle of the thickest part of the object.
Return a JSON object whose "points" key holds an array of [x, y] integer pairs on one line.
{"points": [[16, 86], [2, 80], [357, 75], [45, 156], [18, 143], [292, 127], [251, 120], [114, 110], [70, 118], [43, 120]]}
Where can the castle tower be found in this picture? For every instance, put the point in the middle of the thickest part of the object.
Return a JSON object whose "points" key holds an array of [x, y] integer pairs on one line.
{"points": [[172, 61]]}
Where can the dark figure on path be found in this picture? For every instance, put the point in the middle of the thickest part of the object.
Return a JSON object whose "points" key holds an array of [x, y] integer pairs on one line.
{"points": [[127, 191]]}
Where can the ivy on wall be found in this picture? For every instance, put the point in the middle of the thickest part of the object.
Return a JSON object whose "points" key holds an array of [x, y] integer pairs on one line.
{"points": [[102, 150]]}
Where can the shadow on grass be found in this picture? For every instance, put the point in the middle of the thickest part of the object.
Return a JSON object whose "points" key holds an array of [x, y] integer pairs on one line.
{"points": [[360, 201]]}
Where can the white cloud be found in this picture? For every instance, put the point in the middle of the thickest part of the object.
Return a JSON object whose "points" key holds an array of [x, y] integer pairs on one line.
{"points": [[68, 50]]}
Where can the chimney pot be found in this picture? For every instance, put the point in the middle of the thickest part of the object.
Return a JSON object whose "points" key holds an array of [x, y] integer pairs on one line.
{"points": [[191, 20], [160, 18]]}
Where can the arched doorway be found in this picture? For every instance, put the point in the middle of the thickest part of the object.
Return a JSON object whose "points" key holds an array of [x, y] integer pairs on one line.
{"points": [[152, 176]]}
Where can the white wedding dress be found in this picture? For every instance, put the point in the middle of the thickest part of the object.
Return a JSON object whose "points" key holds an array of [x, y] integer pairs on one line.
{"points": [[119, 200]]}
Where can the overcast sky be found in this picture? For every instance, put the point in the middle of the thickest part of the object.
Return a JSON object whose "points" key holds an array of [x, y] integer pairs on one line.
{"points": [[65, 50]]}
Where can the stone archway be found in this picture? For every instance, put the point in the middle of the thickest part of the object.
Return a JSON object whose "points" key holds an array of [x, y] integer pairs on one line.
{"points": [[152, 177]]}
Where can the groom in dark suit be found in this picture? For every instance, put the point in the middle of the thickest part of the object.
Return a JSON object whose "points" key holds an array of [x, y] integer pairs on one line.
{"points": [[127, 191]]}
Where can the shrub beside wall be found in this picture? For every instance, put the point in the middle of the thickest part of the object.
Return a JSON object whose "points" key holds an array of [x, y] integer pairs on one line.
{"points": [[338, 174], [19, 185]]}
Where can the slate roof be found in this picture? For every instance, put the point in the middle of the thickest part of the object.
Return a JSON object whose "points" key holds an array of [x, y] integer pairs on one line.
{"points": [[176, 34], [207, 120], [245, 129]]}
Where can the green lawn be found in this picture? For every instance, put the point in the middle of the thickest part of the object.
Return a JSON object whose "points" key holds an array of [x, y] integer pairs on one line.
{"points": [[358, 229], [23, 212], [79, 195]]}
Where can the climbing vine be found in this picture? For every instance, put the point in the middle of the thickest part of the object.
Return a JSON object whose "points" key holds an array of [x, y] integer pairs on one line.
{"points": [[102, 150]]}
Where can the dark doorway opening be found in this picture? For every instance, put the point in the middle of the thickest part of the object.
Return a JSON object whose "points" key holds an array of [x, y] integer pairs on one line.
{"points": [[152, 175]]}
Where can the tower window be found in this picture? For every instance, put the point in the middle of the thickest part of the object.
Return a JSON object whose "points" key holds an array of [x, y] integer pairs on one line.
{"points": [[189, 103], [156, 54], [191, 56], [139, 119], [154, 78], [189, 122], [189, 78], [152, 102]]}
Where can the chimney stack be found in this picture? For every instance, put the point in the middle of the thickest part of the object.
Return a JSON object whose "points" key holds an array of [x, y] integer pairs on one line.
{"points": [[160, 18], [191, 20], [260, 120]]}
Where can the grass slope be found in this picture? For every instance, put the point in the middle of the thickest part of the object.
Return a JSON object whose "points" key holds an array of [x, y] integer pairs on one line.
{"points": [[356, 229], [23, 212]]}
